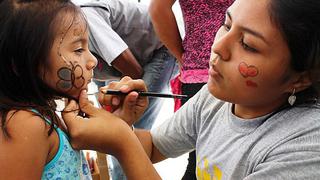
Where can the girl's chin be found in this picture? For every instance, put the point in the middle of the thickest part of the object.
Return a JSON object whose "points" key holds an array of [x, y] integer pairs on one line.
{"points": [[80, 90], [74, 94]]}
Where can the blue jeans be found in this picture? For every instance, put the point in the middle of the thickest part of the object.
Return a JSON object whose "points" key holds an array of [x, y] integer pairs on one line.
{"points": [[157, 75]]}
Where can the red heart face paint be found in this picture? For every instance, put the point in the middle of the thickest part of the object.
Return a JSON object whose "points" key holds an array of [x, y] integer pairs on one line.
{"points": [[251, 83], [248, 71]]}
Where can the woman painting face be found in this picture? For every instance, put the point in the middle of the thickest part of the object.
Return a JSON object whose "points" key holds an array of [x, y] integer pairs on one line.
{"points": [[71, 63], [250, 61]]}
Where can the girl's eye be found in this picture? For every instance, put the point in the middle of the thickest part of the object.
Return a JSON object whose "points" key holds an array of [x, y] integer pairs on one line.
{"points": [[79, 51], [247, 47]]}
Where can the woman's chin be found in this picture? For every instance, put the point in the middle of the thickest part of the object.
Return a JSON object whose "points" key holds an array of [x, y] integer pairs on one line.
{"points": [[211, 87], [214, 90]]}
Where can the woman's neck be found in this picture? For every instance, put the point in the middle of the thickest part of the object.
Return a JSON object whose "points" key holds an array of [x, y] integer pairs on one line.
{"points": [[250, 112]]}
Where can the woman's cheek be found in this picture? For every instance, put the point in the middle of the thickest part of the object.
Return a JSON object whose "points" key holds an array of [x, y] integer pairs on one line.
{"points": [[249, 72]]}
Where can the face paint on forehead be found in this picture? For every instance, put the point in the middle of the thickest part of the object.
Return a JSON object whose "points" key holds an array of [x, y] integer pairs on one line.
{"points": [[248, 71], [63, 34], [79, 29]]}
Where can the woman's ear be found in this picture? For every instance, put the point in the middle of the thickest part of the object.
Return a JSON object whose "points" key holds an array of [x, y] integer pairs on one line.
{"points": [[302, 81]]}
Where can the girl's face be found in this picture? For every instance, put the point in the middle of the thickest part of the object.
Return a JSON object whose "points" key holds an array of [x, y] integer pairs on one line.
{"points": [[70, 61], [250, 61]]}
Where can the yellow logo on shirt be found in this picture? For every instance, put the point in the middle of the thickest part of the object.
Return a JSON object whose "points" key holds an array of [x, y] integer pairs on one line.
{"points": [[204, 173]]}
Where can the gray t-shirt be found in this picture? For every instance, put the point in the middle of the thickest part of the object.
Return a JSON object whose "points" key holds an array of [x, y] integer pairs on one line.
{"points": [[115, 25], [283, 145]]}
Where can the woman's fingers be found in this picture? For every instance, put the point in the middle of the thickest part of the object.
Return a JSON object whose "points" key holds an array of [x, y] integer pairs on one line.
{"points": [[70, 112], [125, 85], [86, 106]]}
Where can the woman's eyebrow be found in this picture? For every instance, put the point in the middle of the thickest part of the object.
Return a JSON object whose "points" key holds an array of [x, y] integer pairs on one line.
{"points": [[254, 33], [248, 30], [229, 15]]}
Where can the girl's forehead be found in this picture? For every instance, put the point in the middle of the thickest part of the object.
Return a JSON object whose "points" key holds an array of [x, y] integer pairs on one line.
{"points": [[71, 24]]}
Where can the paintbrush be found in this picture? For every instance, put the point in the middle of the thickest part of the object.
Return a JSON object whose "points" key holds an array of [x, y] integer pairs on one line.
{"points": [[149, 94]]}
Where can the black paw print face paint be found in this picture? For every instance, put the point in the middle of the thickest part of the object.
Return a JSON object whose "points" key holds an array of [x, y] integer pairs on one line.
{"points": [[70, 77]]}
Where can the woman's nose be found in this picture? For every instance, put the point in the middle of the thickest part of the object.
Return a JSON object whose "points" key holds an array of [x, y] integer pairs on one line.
{"points": [[221, 47]]}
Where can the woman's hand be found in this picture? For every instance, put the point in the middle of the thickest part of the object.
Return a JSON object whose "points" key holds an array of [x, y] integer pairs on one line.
{"points": [[100, 130], [130, 107], [104, 132]]}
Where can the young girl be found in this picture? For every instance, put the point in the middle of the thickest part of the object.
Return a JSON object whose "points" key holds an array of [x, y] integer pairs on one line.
{"points": [[44, 56], [258, 117]]}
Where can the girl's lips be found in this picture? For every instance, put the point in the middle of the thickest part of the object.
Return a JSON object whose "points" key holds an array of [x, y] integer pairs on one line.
{"points": [[90, 79]]}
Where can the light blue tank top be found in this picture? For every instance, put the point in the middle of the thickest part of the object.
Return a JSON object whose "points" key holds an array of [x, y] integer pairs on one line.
{"points": [[67, 164]]}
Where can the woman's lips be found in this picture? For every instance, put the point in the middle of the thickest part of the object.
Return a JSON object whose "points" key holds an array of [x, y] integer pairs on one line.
{"points": [[214, 72]]}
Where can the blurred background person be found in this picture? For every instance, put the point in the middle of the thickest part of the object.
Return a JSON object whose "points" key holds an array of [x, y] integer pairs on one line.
{"points": [[123, 40]]}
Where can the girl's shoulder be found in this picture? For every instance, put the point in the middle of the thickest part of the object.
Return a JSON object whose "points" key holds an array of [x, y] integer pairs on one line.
{"points": [[28, 146], [26, 121], [27, 127]]}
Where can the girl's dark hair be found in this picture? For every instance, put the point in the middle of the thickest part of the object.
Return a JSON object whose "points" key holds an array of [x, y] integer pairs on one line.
{"points": [[299, 22], [28, 29]]}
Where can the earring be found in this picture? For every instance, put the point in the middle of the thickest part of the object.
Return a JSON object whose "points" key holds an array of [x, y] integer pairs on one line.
{"points": [[292, 98]]}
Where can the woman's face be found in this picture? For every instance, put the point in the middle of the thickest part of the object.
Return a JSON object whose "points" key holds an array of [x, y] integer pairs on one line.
{"points": [[249, 64], [71, 63]]}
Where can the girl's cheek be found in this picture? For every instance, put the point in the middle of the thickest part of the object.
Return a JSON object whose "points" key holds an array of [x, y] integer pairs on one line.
{"points": [[70, 78]]}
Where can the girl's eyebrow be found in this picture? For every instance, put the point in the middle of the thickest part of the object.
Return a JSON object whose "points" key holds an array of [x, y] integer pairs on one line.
{"points": [[248, 30], [79, 39]]}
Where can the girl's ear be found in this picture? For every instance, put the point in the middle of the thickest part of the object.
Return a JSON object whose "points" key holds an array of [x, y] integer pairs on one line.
{"points": [[301, 82]]}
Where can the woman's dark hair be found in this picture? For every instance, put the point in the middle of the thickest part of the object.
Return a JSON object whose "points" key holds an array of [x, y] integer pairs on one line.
{"points": [[299, 22], [28, 29]]}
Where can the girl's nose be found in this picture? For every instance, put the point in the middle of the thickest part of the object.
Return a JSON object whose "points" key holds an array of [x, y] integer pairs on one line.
{"points": [[92, 62]]}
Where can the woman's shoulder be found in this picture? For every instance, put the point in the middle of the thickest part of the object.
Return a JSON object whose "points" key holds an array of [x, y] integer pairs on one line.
{"points": [[304, 112], [292, 123]]}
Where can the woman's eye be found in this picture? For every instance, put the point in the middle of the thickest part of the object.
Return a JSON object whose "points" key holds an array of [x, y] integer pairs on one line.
{"points": [[247, 47], [226, 27]]}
